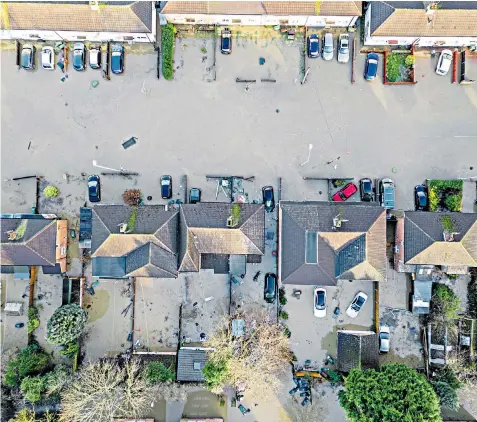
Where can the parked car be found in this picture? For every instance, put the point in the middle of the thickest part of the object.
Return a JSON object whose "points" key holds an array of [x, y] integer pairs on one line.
{"points": [[94, 188], [27, 59], [270, 289], [387, 193], [226, 41], [343, 48], [384, 339], [79, 52], [48, 58], [345, 193], [371, 66], [166, 187], [268, 198], [313, 44], [319, 307], [356, 305], [95, 57], [194, 195], [366, 190], [117, 58], [328, 49], [444, 62], [420, 197]]}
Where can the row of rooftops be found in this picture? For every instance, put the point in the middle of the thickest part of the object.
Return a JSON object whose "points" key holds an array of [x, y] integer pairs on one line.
{"points": [[319, 242]]}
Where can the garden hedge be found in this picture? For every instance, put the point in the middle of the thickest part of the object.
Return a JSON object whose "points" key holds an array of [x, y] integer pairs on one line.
{"points": [[168, 42], [452, 199]]}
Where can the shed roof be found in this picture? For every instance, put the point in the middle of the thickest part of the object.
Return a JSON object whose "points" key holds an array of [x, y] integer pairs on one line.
{"points": [[190, 364], [357, 349]]}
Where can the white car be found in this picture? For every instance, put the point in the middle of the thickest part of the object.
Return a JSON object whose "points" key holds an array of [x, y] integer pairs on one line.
{"points": [[383, 339], [319, 302], [444, 62], [343, 48], [95, 57], [328, 49], [356, 305], [48, 58]]}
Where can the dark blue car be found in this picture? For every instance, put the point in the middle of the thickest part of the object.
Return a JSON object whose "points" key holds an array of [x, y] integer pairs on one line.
{"points": [[268, 198], [313, 46], [94, 188], [166, 187], [371, 68], [117, 58]]}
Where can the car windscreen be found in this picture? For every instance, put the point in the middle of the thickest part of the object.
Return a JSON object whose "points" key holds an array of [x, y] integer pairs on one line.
{"points": [[328, 49], [384, 336]]}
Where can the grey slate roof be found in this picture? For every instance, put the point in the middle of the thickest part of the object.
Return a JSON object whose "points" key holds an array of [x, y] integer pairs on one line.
{"points": [[423, 229], [357, 349], [185, 365], [360, 240], [37, 246]]}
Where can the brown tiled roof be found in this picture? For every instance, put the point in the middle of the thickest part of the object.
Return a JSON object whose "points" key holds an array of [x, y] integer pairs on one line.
{"points": [[338, 239], [444, 253], [135, 17], [442, 23], [277, 8]]}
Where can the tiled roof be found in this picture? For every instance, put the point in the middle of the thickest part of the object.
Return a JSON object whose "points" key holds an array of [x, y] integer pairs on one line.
{"points": [[276, 8], [400, 19], [357, 349], [424, 240], [356, 251], [149, 251], [190, 364], [37, 245], [68, 16]]}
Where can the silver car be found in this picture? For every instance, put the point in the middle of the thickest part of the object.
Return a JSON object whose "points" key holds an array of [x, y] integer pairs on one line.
{"points": [[384, 339], [343, 48], [328, 48]]}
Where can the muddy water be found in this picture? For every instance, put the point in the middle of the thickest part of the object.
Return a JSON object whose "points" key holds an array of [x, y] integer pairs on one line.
{"points": [[96, 305], [330, 341]]}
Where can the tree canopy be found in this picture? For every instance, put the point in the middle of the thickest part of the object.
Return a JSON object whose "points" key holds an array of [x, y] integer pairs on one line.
{"points": [[395, 393], [66, 324]]}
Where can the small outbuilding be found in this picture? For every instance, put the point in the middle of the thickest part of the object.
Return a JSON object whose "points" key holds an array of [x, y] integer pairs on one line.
{"points": [[357, 349], [190, 362]]}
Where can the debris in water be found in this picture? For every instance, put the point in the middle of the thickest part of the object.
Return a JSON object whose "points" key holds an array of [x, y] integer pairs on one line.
{"points": [[261, 61], [94, 84]]}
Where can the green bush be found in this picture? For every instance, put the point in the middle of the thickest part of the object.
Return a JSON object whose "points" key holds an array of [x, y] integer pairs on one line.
{"points": [[66, 324], [410, 60], [454, 202], [286, 331], [30, 361], [283, 315], [281, 296], [335, 377], [71, 349], [168, 44], [448, 376], [55, 380], [446, 184], [215, 372], [445, 303], [32, 387], [472, 298], [33, 319], [433, 199], [157, 372], [447, 395], [51, 192], [394, 62], [132, 220]]}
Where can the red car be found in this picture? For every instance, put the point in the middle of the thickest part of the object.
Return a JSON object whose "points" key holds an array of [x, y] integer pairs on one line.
{"points": [[345, 193]]}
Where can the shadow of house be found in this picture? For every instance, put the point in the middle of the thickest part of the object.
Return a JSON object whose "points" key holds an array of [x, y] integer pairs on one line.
{"points": [[321, 243]]}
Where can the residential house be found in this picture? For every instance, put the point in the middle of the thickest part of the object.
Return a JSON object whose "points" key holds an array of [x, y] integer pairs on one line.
{"points": [[320, 243], [357, 349], [150, 241], [447, 240], [79, 21], [292, 13], [425, 24], [38, 241]]}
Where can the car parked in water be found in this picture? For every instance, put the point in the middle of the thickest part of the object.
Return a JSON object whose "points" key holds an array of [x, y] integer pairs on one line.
{"points": [[313, 46], [356, 305], [319, 302], [328, 48], [270, 288], [444, 62], [268, 198], [420, 197], [345, 193], [384, 339], [48, 58], [371, 66], [94, 188], [226, 41], [95, 57], [343, 48], [366, 190], [117, 58], [166, 187], [27, 58], [79, 52], [387, 192], [194, 195]]}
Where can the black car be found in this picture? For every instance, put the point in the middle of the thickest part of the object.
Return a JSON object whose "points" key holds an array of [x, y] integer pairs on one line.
{"points": [[94, 188], [194, 195], [270, 289], [27, 60], [371, 67], [226, 41], [420, 197], [313, 44], [117, 58], [366, 190], [268, 198], [166, 187]]}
